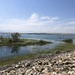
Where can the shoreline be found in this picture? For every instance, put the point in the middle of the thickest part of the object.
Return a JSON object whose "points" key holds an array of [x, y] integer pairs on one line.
{"points": [[57, 49], [41, 64]]}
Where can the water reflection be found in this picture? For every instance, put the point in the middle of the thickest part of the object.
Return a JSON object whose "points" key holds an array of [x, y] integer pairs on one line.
{"points": [[9, 50], [15, 49]]}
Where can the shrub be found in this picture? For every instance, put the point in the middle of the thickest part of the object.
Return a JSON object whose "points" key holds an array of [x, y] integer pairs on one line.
{"points": [[41, 42], [68, 40]]}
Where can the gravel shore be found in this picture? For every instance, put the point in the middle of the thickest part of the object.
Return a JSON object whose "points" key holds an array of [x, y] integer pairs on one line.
{"points": [[56, 64]]}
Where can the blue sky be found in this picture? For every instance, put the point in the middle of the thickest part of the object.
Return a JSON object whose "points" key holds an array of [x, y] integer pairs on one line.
{"points": [[50, 16]]}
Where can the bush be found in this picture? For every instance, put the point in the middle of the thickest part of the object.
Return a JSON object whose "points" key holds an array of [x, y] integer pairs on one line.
{"points": [[41, 42], [68, 40], [9, 40]]}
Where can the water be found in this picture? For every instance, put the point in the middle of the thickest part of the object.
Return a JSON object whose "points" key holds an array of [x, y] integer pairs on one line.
{"points": [[9, 51]]}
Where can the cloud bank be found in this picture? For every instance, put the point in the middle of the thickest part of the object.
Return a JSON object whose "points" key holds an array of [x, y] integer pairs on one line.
{"points": [[37, 24]]}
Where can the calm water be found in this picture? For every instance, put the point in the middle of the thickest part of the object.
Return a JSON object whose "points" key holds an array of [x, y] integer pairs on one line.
{"points": [[9, 51]]}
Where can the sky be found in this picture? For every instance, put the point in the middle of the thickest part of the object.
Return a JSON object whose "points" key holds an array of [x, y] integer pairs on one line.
{"points": [[37, 16]]}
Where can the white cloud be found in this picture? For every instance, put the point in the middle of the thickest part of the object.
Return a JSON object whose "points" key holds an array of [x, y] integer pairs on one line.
{"points": [[34, 16], [36, 23], [45, 18], [71, 23]]}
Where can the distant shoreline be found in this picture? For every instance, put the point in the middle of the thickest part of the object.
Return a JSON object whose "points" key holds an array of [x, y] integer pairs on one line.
{"points": [[39, 33]]}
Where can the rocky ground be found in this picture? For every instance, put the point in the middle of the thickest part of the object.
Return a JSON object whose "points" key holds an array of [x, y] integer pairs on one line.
{"points": [[57, 64]]}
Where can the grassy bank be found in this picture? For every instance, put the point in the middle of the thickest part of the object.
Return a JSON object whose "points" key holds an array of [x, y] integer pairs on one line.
{"points": [[13, 60], [60, 48], [23, 42]]}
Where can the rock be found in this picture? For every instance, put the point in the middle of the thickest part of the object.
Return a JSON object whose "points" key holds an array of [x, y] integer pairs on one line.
{"points": [[57, 52], [16, 66], [53, 73], [57, 64], [27, 64]]}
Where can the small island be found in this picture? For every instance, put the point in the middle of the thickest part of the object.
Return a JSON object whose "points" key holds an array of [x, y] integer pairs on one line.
{"points": [[15, 40]]}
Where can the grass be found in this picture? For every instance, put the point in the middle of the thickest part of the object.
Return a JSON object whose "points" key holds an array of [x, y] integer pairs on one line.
{"points": [[61, 48], [68, 40], [23, 42], [16, 59]]}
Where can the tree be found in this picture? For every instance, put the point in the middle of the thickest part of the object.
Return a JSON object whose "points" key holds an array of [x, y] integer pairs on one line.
{"points": [[1, 38], [15, 37]]}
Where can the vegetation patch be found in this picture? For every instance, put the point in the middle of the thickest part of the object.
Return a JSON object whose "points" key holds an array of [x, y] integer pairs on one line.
{"points": [[23, 42], [59, 48], [68, 40], [15, 40]]}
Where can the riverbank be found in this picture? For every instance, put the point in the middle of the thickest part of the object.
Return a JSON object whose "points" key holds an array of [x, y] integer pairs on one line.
{"points": [[15, 59], [62, 63]]}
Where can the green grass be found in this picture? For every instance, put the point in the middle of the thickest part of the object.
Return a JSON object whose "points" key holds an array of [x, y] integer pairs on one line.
{"points": [[68, 40], [16, 59], [61, 48], [23, 42]]}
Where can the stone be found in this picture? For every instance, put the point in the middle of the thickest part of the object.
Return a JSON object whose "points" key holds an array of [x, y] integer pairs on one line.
{"points": [[56, 64]]}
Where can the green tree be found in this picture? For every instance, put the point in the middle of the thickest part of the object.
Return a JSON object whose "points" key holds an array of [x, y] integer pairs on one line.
{"points": [[15, 37], [1, 38]]}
